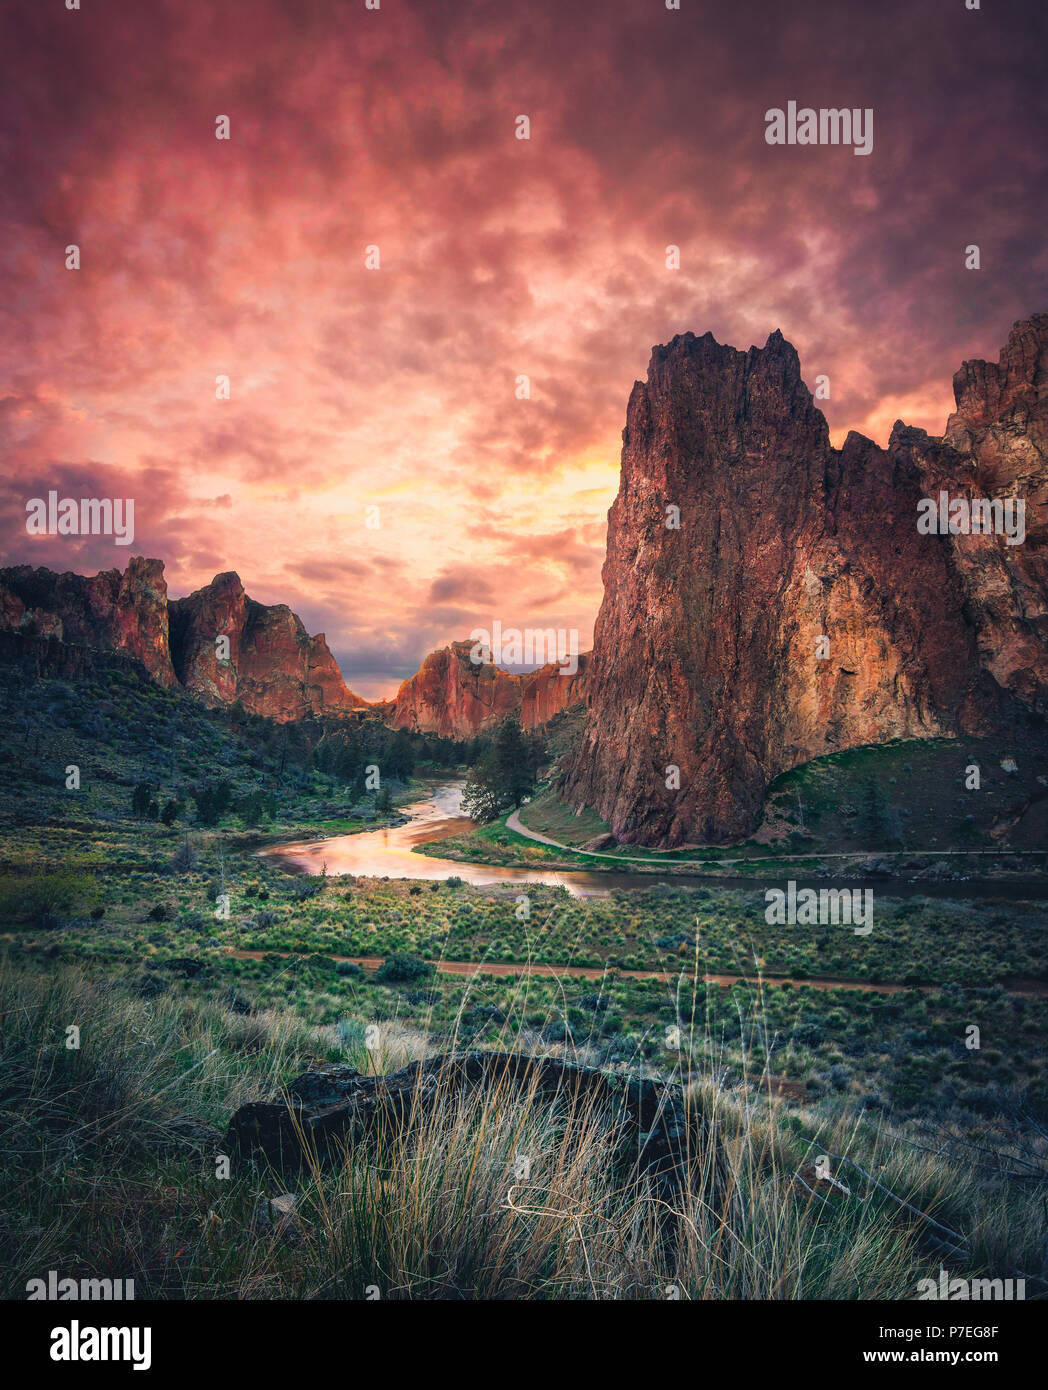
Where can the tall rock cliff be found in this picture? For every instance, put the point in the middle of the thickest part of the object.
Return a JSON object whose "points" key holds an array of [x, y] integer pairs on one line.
{"points": [[550, 689], [273, 667], [797, 610], [121, 612]]}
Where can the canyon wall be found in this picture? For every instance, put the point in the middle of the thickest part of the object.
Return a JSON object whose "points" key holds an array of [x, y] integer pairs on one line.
{"points": [[274, 667], [796, 610]]}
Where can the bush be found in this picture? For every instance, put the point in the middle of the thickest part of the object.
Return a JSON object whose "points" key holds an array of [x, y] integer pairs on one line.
{"points": [[403, 969], [44, 898]]}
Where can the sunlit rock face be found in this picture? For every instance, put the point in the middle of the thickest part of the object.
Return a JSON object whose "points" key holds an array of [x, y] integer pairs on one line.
{"points": [[551, 689], [455, 697], [797, 609], [114, 611], [267, 660], [272, 666]]}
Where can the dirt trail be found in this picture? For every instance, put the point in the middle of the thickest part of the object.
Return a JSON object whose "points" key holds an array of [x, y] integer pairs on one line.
{"points": [[514, 822], [1029, 988]]}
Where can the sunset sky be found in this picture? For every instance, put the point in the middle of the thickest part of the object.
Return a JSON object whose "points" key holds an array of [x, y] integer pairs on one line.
{"points": [[499, 257]]}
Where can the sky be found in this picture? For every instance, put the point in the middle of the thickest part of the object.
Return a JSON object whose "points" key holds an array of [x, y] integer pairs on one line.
{"points": [[353, 388]]}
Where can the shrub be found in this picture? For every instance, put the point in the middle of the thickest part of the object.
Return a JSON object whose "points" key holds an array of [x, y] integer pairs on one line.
{"points": [[403, 969], [44, 898]]}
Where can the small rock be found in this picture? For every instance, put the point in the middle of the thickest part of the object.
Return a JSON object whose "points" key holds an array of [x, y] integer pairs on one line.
{"points": [[277, 1216]]}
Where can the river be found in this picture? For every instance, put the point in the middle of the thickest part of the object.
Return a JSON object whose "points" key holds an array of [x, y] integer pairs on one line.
{"points": [[388, 853]]}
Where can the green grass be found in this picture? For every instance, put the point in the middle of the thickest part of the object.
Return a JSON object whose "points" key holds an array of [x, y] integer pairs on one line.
{"points": [[103, 926], [92, 1187]]}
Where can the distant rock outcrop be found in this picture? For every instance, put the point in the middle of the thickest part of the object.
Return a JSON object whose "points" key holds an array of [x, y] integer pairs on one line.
{"points": [[798, 610], [268, 661], [273, 666], [455, 697], [113, 611]]}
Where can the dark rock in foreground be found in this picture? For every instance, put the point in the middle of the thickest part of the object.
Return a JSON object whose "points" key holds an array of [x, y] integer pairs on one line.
{"points": [[334, 1108]]}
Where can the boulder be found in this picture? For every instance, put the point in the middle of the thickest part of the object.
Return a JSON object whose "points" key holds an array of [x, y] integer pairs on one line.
{"points": [[333, 1109]]}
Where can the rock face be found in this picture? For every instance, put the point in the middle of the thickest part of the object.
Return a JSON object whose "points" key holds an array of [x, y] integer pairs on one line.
{"points": [[334, 1108], [274, 667], [547, 691], [708, 652], [112, 611], [452, 696]]}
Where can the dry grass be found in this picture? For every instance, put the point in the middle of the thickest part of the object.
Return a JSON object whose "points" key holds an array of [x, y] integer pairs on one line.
{"points": [[498, 1194]]}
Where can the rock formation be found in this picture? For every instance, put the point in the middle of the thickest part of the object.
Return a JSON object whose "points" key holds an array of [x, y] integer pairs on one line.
{"points": [[549, 690], [455, 697], [334, 1108], [797, 610], [274, 667], [111, 611]]}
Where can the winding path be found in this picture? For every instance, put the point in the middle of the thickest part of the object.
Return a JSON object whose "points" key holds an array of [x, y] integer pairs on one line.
{"points": [[514, 822], [1032, 989]]}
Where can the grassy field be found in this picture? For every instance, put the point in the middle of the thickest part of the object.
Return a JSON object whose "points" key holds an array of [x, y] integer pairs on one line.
{"points": [[106, 1176], [109, 923]]}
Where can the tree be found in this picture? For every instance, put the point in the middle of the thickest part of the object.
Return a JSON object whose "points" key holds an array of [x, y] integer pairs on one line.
{"points": [[516, 760], [503, 775], [171, 812], [482, 794], [212, 801], [140, 799]]}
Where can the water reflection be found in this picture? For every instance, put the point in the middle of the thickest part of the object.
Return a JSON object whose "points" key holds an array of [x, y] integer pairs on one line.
{"points": [[387, 853]]}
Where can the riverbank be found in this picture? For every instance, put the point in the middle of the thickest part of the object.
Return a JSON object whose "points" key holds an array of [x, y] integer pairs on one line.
{"points": [[510, 843]]}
